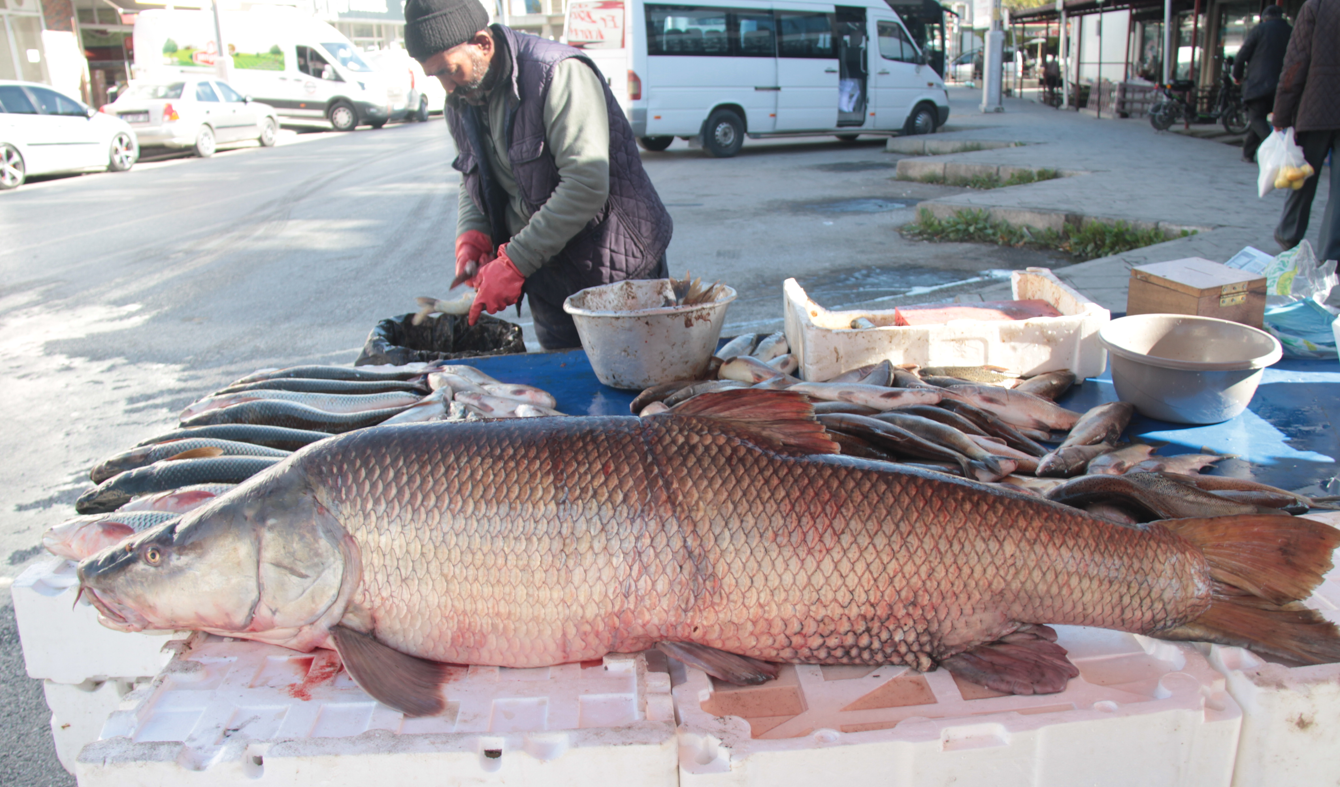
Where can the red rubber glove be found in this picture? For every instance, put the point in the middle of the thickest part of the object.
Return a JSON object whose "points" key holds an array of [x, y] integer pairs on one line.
{"points": [[497, 285], [473, 246]]}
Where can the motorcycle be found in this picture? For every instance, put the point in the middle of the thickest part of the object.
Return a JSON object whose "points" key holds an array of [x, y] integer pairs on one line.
{"points": [[1177, 105]]}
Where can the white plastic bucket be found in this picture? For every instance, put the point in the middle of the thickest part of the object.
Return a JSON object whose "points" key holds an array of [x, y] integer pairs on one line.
{"points": [[636, 338]]}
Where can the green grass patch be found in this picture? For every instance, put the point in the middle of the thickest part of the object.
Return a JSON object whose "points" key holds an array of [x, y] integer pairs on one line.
{"points": [[1089, 242], [992, 181]]}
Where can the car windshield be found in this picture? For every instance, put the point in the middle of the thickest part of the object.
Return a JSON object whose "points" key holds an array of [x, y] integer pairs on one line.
{"points": [[347, 57], [156, 90]]}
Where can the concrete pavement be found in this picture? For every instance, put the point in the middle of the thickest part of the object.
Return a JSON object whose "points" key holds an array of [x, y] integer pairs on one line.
{"points": [[1118, 170]]}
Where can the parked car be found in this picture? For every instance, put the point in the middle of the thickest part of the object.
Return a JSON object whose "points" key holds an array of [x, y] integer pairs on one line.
{"points": [[425, 94], [43, 131], [966, 67], [193, 112]]}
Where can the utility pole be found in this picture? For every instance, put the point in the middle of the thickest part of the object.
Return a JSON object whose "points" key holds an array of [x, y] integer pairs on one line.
{"points": [[1065, 56], [222, 62], [992, 64]]}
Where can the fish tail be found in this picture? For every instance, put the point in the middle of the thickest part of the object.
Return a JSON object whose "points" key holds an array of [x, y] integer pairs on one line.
{"points": [[1262, 566]]}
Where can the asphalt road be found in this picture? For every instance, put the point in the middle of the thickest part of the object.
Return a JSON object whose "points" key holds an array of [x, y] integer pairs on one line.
{"points": [[126, 296]]}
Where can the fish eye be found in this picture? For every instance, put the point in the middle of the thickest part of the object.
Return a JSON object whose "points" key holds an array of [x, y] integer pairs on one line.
{"points": [[152, 554]]}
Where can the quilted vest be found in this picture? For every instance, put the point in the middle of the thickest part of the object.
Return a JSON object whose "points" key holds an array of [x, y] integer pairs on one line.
{"points": [[628, 237]]}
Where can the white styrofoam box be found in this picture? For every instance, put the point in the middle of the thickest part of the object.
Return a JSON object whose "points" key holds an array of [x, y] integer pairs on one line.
{"points": [[1290, 715], [78, 712], [1143, 711], [64, 642], [228, 709], [826, 345]]}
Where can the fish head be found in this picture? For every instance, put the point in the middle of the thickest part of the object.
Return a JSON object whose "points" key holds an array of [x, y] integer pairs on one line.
{"points": [[101, 499], [264, 563], [127, 460]]}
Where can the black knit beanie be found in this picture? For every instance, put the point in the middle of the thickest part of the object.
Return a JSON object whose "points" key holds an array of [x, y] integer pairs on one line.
{"points": [[433, 26]]}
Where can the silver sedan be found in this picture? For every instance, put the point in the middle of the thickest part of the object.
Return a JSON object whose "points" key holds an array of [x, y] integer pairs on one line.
{"points": [[193, 113]]}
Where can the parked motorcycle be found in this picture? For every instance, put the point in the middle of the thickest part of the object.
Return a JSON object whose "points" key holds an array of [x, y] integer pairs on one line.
{"points": [[1177, 105]]}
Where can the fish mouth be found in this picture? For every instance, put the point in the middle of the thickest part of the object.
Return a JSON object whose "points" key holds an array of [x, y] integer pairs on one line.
{"points": [[114, 615]]}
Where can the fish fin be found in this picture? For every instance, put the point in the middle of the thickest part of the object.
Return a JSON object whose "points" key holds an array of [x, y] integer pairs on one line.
{"points": [[407, 683], [1027, 661], [1261, 566], [785, 418], [730, 667], [208, 452]]}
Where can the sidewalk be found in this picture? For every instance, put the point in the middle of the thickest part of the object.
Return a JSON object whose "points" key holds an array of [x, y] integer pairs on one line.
{"points": [[1124, 170]]}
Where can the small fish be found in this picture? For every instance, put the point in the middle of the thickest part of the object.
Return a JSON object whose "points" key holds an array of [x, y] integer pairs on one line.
{"points": [[997, 465], [535, 411], [82, 536], [771, 346], [1026, 462], [256, 434], [747, 369], [468, 372], [1101, 424], [331, 403], [458, 301], [1185, 464], [904, 441], [946, 417], [1018, 409], [786, 364], [1048, 385], [874, 396], [147, 455], [522, 393], [455, 383], [1038, 487], [459, 412], [684, 394], [740, 345], [275, 412], [432, 407], [178, 501], [1241, 490], [821, 408], [117, 491], [1120, 459], [657, 393], [1070, 460], [995, 427], [1154, 493], [331, 373], [327, 386], [852, 375], [655, 408], [992, 375], [906, 378], [493, 406]]}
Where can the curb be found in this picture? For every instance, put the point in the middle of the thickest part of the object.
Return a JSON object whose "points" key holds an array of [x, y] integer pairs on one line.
{"points": [[1056, 220]]}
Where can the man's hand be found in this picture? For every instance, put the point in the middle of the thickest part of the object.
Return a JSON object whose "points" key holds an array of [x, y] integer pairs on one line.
{"points": [[498, 285], [475, 247]]}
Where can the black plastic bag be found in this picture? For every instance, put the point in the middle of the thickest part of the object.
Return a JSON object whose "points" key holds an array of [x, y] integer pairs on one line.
{"points": [[398, 341]]}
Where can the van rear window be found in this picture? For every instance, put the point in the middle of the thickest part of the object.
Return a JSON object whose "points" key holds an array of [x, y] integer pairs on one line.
{"points": [[712, 32]]}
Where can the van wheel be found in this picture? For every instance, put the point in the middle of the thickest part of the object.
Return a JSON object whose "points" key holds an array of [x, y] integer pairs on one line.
{"points": [[269, 133], [422, 114], [724, 133], [655, 144], [12, 171], [921, 121], [204, 142], [122, 156], [343, 116]]}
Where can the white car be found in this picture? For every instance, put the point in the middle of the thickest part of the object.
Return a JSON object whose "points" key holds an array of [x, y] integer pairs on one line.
{"points": [[44, 131], [425, 94], [195, 113]]}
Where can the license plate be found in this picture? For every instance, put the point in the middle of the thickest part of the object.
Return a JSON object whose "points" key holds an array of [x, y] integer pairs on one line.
{"points": [[135, 117]]}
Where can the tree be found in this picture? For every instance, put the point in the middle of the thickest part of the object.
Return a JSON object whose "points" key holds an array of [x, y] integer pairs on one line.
{"points": [[170, 47], [275, 50]]}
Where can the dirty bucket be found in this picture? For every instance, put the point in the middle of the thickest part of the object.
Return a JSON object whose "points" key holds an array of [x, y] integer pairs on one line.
{"points": [[635, 337]]}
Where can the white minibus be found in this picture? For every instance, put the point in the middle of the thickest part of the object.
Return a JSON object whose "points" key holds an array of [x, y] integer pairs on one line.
{"points": [[717, 71]]}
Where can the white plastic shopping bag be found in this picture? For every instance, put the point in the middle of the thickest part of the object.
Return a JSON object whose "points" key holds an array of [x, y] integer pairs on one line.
{"points": [[1282, 163]]}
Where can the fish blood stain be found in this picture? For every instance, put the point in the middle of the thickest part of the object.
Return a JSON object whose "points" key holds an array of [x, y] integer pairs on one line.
{"points": [[323, 670]]}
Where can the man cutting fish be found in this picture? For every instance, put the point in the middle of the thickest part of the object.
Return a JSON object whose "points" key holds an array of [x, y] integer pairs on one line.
{"points": [[554, 198]]}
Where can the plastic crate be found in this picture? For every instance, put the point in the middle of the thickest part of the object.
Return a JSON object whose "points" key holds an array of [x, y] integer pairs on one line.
{"points": [[1143, 711], [228, 711], [1290, 715], [826, 345]]}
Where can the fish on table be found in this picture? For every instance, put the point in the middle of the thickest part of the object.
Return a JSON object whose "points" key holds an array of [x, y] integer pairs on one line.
{"points": [[162, 476], [158, 452], [280, 437], [725, 532]]}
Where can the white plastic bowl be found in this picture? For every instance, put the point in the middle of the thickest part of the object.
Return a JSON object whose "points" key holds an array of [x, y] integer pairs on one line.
{"points": [[634, 340], [1187, 369]]}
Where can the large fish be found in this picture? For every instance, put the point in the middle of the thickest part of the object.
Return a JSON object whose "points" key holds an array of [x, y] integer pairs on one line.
{"points": [[724, 532]]}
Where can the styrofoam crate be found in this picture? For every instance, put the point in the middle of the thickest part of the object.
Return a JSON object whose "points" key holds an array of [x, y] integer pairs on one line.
{"points": [[78, 712], [826, 345], [1290, 715], [1143, 711], [64, 642], [228, 709]]}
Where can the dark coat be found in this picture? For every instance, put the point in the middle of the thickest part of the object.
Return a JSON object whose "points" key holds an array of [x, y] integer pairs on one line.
{"points": [[1308, 96], [629, 235], [1262, 54]]}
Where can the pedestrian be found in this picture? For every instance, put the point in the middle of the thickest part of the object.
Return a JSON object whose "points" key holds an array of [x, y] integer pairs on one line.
{"points": [[553, 195], [1308, 99], [1262, 57], [1051, 79]]}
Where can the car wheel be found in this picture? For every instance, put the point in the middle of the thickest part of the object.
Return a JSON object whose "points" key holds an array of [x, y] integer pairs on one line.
{"points": [[269, 133], [921, 121], [848, 138], [343, 117], [655, 144], [204, 142], [724, 133], [422, 114], [12, 172], [377, 123], [123, 153]]}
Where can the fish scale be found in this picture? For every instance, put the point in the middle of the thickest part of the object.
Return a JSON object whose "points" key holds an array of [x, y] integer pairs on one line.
{"points": [[880, 565]]}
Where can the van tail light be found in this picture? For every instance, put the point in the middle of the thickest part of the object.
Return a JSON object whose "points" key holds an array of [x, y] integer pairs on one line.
{"points": [[411, 78], [169, 113], [634, 86]]}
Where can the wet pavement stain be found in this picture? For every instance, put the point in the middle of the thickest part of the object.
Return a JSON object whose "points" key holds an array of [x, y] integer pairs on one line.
{"points": [[866, 205], [855, 166]]}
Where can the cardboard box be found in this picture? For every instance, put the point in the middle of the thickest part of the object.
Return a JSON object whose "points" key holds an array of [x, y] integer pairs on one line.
{"points": [[1197, 286]]}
